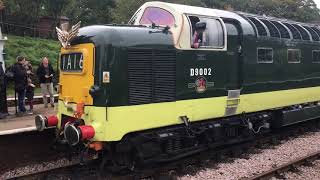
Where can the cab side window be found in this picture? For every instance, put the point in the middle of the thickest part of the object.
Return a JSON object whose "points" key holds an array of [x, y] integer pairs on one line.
{"points": [[206, 32], [264, 55], [316, 56], [294, 55]]}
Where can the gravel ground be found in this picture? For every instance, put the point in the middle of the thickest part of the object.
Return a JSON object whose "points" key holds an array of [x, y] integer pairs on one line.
{"points": [[287, 151], [44, 166], [305, 172]]}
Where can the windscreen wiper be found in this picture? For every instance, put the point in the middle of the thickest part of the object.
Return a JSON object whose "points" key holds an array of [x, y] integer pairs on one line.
{"points": [[154, 25]]}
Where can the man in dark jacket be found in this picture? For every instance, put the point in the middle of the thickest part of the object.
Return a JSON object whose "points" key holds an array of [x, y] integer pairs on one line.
{"points": [[20, 82], [3, 93], [45, 74]]}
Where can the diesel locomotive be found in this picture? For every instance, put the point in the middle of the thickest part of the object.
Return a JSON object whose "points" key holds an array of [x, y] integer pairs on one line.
{"points": [[177, 80]]}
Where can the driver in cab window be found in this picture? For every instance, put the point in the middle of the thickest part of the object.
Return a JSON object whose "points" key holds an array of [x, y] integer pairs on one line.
{"points": [[199, 36]]}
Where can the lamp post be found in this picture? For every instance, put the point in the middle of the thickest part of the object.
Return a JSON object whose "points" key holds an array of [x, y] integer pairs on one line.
{"points": [[2, 42], [3, 88]]}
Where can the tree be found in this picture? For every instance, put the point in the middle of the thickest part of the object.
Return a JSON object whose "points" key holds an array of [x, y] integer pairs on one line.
{"points": [[125, 9], [299, 10], [23, 13], [90, 11], [54, 8]]}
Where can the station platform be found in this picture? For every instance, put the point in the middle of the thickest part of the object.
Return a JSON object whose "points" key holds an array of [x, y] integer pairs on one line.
{"points": [[18, 124], [36, 100]]}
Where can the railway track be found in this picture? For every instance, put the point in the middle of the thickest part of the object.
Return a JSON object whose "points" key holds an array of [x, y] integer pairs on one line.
{"points": [[20, 149], [67, 168], [38, 168], [211, 157], [29, 153], [286, 167]]}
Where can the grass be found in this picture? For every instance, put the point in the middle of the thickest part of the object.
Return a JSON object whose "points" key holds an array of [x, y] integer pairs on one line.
{"points": [[32, 48]]}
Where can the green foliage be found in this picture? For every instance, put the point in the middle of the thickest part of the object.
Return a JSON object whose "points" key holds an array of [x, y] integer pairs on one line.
{"points": [[119, 11], [90, 11], [125, 9], [24, 11], [299, 10], [32, 48]]}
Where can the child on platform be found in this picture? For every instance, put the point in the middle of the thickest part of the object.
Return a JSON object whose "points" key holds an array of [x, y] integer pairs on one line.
{"points": [[30, 86]]}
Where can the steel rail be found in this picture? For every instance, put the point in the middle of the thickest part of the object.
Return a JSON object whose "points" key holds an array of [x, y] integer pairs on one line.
{"points": [[285, 167]]}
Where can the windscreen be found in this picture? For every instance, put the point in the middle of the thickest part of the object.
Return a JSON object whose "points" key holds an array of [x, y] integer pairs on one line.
{"points": [[158, 16]]}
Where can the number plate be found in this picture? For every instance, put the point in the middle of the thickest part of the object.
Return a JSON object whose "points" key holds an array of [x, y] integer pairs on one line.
{"points": [[72, 62]]}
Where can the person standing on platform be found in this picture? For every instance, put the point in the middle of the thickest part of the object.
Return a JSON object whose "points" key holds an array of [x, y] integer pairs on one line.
{"points": [[20, 82], [45, 74], [3, 93], [30, 86]]}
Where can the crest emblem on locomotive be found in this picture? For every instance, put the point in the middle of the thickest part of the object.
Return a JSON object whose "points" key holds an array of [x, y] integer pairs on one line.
{"points": [[65, 34], [201, 84]]}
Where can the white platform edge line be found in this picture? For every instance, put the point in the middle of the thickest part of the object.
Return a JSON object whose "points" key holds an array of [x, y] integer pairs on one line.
{"points": [[34, 97], [16, 131]]}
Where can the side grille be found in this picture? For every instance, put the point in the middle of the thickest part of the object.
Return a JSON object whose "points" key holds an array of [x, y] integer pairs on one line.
{"points": [[151, 76]]}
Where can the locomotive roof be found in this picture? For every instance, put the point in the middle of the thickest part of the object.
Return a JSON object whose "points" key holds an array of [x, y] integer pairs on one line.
{"points": [[274, 18], [180, 9], [185, 9], [128, 36], [251, 24]]}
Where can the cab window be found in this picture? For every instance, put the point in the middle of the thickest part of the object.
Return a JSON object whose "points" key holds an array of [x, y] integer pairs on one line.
{"points": [[316, 56], [158, 16], [206, 32]]}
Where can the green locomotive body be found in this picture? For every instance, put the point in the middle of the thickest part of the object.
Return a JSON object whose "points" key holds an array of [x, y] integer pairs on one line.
{"points": [[144, 87]]}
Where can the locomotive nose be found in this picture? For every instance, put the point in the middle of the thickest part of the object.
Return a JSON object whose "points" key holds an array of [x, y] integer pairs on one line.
{"points": [[43, 122]]}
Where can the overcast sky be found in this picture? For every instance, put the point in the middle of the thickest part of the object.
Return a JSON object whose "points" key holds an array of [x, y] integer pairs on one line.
{"points": [[317, 2]]}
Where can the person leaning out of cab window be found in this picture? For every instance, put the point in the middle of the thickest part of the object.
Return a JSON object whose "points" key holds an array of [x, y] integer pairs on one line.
{"points": [[199, 36]]}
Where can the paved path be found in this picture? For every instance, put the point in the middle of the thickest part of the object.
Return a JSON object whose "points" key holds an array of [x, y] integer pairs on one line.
{"points": [[13, 124]]}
